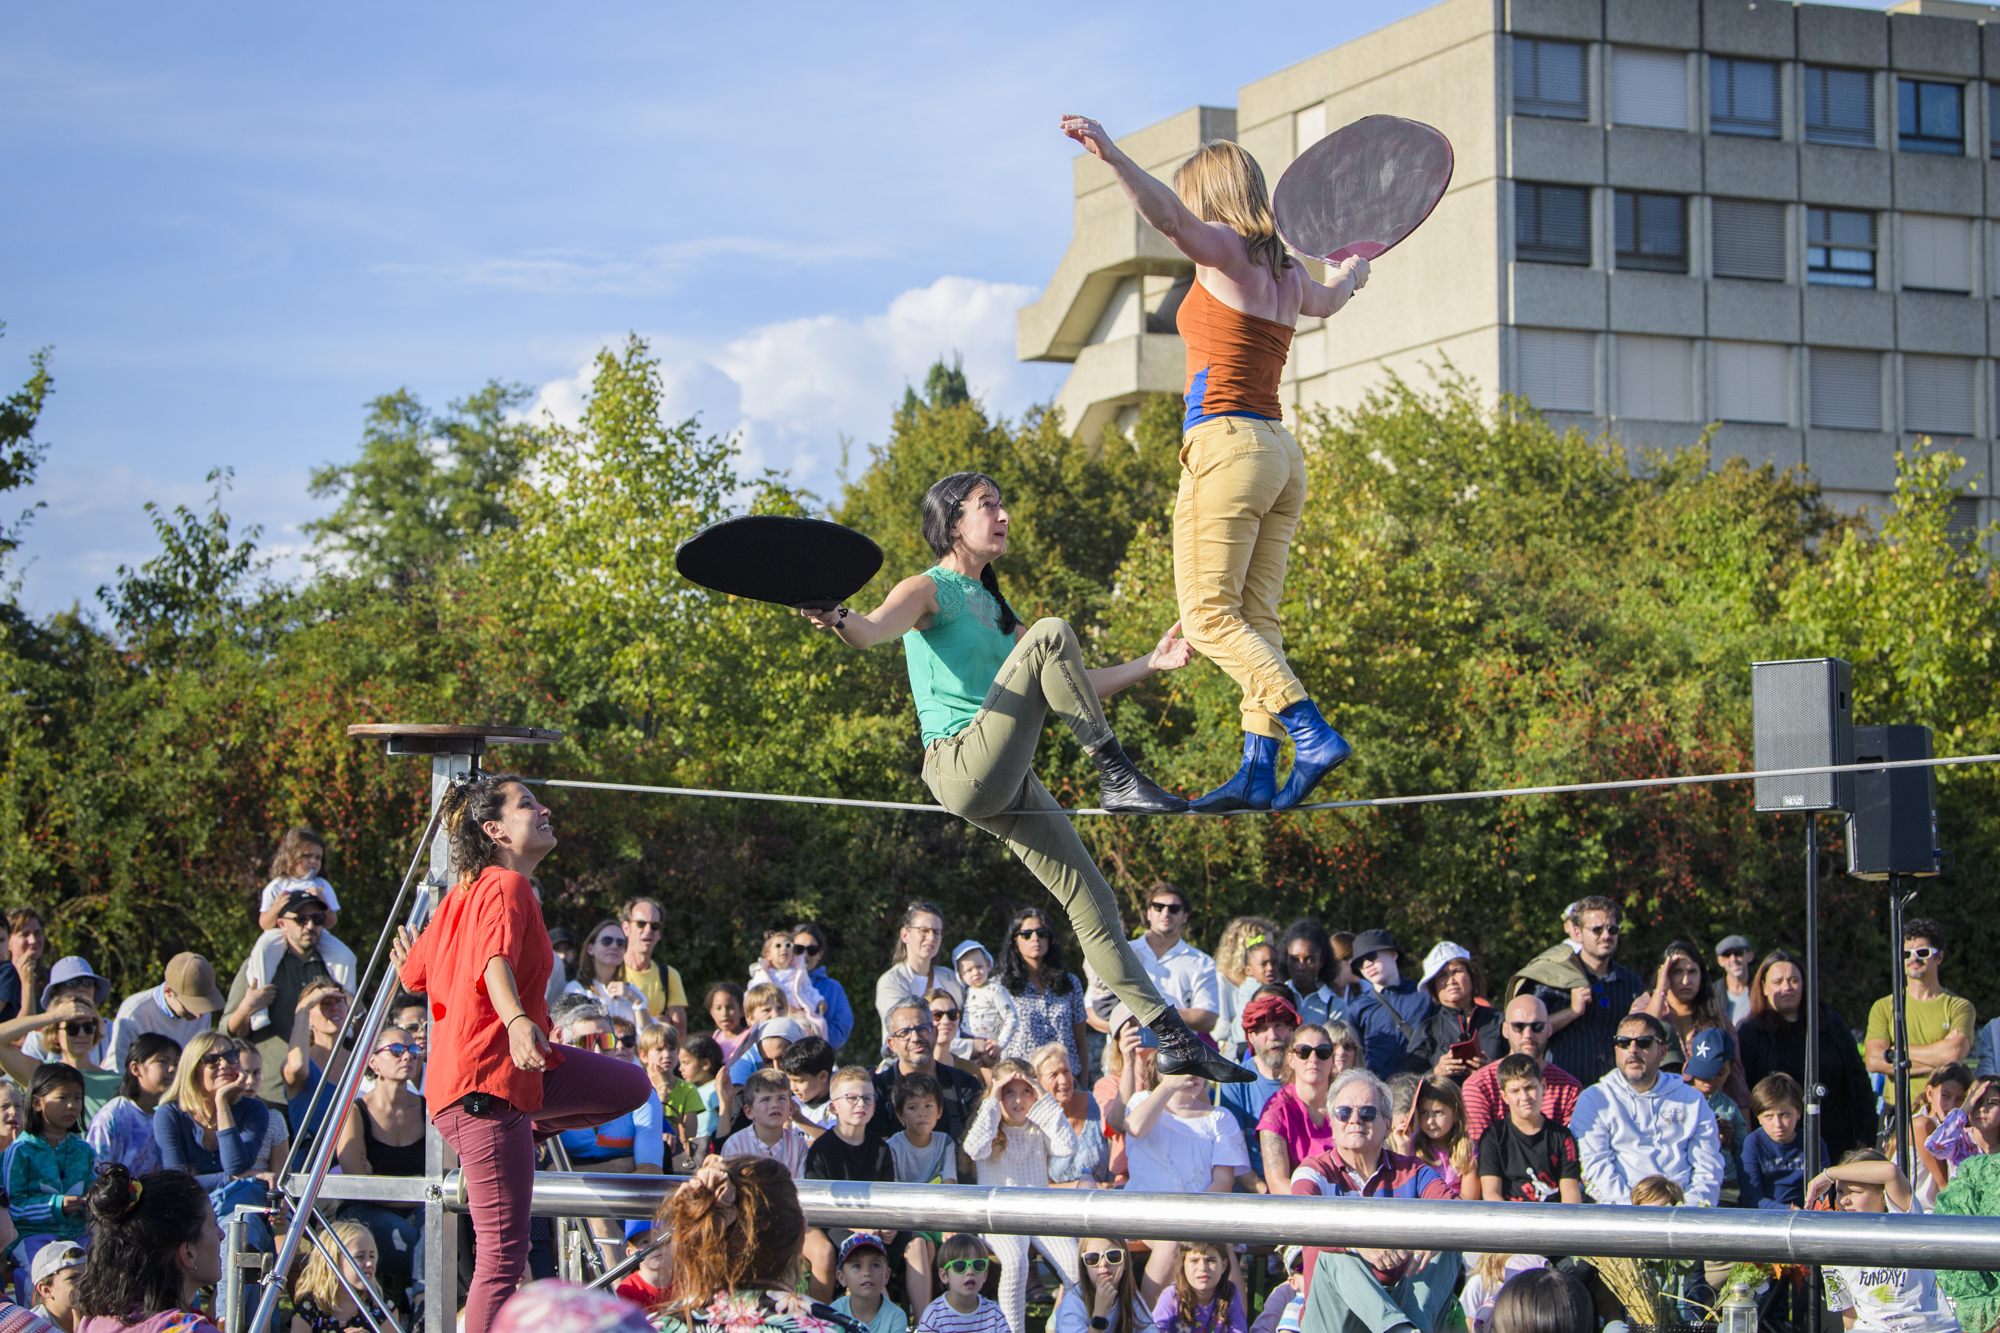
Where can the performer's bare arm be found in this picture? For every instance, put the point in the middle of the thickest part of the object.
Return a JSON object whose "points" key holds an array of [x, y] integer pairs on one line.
{"points": [[1226, 268]]}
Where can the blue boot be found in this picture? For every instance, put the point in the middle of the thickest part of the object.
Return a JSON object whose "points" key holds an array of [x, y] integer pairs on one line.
{"points": [[1317, 749], [1254, 784]]}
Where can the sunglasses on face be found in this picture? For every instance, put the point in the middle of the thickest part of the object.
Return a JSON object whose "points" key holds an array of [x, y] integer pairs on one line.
{"points": [[1600, 930], [1109, 1258], [220, 1058], [628, 1041], [944, 1015], [963, 1266], [1323, 1051], [1365, 1114], [86, 1027], [644, 927], [1922, 954], [1643, 1043], [1538, 1025], [810, 950], [610, 942], [1734, 953], [903, 1034], [1034, 933], [311, 919], [1171, 909], [397, 1049], [595, 1041]]}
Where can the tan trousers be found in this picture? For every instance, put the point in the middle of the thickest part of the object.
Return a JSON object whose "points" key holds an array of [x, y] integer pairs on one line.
{"points": [[1243, 487], [985, 775]]}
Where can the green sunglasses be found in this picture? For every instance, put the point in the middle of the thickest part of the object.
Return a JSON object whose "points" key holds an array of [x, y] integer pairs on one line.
{"points": [[962, 1266]]}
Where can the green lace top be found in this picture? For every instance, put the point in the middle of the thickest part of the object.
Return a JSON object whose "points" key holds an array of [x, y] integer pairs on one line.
{"points": [[952, 664]]}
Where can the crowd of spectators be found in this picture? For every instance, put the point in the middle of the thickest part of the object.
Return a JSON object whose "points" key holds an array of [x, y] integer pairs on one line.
{"points": [[1575, 1079]]}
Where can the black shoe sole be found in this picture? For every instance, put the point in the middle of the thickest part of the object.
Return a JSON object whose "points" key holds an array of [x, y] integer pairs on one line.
{"points": [[1166, 805], [1213, 1067], [1228, 805]]}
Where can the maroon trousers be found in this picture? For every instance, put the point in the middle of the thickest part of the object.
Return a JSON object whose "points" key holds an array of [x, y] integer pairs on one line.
{"points": [[496, 1152]]}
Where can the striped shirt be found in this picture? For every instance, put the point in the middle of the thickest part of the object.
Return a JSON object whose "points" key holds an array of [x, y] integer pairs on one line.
{"points": [[939, 1317], [789, 1151]]}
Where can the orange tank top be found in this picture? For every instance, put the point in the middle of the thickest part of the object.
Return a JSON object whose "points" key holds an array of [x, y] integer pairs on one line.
{"points": [[1234, 360]]}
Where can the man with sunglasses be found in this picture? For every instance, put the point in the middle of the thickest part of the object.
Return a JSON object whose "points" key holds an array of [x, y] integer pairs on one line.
{"points": [[633, 1143], [1640, 1121], [286, 960], [1525, 1025], [1380, 1290], [1736, 959], [1585, 989], [1186, 977], [645, 921], [1269, 1021], [1940, 1024], [809, 938]]}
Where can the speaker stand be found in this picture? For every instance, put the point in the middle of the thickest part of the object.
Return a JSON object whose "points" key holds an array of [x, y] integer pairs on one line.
{"points": [[1899, 1028], [1814, 1092]]}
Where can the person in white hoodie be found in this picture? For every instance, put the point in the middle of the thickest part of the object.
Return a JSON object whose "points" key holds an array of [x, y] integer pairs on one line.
{"points": [[1637, 1121]]}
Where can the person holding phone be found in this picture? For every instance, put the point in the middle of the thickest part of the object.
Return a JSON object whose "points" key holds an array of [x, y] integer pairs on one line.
{"points": [[1464, 1032]]}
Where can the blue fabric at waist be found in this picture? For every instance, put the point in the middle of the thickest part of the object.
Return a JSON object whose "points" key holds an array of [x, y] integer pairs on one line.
{"points": [[1193, 420]]}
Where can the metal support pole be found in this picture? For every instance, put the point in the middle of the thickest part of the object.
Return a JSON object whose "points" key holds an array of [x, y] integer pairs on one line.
{"points": [[1814, 1091], [1899, 1029], [229, 1293]]}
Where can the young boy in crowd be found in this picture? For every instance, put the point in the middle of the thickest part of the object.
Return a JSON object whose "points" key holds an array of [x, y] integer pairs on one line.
{"points": [[1774, 1157], [1708, 1071], [808, 1063], [864, 1275], [924, 1155], [767, 1098], [1526, 1158], [851, 1152], [1875, 1300], [989, 1009], [962, 1263]]}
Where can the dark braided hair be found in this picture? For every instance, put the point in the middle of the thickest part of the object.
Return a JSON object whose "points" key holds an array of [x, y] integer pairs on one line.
{"points": [[137, 1227], [467, 808], [942, 503]]}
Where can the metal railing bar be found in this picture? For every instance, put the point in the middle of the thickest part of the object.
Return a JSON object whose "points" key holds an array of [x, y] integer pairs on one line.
{"points": [[631, 1262]]}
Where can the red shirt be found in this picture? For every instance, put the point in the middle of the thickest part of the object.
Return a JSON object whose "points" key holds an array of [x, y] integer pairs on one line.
{"points": [[495, 916], [1484, 1109]]}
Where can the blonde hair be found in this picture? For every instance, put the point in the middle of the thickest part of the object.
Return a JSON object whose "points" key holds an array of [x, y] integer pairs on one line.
{"points": [[1240, 936], [318, 1280], [763, 993], [657, 1034], [187, 1074], [1004, 1073], [1222, 183], [1658, 1192]]}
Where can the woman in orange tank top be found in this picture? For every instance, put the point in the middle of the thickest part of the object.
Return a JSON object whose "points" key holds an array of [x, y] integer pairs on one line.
{"points": [[1243, 479]]}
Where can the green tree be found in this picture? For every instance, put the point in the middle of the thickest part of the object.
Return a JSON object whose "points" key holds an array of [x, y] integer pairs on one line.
{"points": [[20, 453]]}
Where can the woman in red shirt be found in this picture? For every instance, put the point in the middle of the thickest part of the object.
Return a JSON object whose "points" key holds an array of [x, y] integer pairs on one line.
{"points": [[494, 1084]]}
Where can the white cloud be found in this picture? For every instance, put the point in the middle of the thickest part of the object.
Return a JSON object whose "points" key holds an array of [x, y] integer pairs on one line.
{"points": [[795, 388]]}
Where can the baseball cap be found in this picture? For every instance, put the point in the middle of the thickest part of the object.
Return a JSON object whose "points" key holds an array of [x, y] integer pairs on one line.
{"points": [[1372, 941], [192, 981], [71, 969], [861, 1240], [562, 935], [965, 947], [298, 900], [1708, 1052], [1444, 953], [53, 1258], [1731, 944]]}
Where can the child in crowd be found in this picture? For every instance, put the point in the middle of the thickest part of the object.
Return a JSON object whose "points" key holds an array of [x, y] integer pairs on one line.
{"points": [[864, 1280], [962, 1263], [1108, 1299], [1944, 1094], [924, 1154], [13, 1114], [1774, 1158], [808, 1064], [49, 1168], [1434, 1133], [702, 1066], [1878, 1299], [1016, 1131], [763, 1003], [1527, 1158], [1680, 1281], [1709, 1070], [320, 1302], [768, 1100], [1260, 968], [1202, 1299], [295, 869], [724, 1003], [781, 964], [1973, 1128], [56, 1270], [853, 1151], [660, 1053], [989, 1008], [1489, 1273]]}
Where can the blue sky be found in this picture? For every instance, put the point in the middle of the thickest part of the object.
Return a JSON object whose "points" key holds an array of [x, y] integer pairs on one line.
{"points": [[236, 224]]}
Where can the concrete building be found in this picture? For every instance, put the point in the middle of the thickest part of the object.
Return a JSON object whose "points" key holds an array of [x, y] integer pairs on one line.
{"points": [[1665, 213]]}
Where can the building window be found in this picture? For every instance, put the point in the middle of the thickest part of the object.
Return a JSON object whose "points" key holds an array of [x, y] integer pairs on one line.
{"points": [[1548, 79], [1557, 369], [1938, 394], [1747, 239], [1751, 383], [1308, 128], [1936, 253], [1656, 378], [1961, 529], [1930, 117], [1840, 248], [1652, 232], [1649, 88], [1993, 119], [1743, 97], [1846, 389], [1551, 224], [1840, 106]]}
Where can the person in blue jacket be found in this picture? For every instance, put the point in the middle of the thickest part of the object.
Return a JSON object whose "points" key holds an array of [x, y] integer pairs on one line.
{"points": [[810, 940], [1773, 1159], [1392, 1011]]}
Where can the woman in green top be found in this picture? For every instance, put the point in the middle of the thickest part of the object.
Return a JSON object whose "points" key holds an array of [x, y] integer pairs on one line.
{"points": [[983, 683]]}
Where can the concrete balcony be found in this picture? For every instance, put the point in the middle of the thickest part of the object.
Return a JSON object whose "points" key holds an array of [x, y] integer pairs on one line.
{"points": [[1109, 377]]}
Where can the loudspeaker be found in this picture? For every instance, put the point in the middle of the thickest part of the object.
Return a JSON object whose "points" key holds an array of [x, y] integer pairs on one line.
{"points": [[1893, 830], [1800, 718]]}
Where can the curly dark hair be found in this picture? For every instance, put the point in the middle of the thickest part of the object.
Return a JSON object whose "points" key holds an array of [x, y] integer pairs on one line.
{"points": [[468, 806], [137, 1228], [1014, 968]]}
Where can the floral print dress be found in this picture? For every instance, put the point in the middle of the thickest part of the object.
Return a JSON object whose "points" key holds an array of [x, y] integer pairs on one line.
{"points": [[753, 1311]]}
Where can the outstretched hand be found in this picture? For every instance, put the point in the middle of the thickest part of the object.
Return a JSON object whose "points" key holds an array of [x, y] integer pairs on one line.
{"points": [[1173, 652], [1090, 134]]}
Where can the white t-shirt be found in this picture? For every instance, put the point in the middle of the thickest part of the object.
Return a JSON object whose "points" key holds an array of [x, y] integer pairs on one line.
{"points": [[1890, 1300], [1180, 1156], [275, 891], [1186, 977]]}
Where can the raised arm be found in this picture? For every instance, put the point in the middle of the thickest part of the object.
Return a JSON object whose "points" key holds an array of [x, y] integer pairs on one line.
{"points": [[901, 611], [1211, 244], [1170, 654]]}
